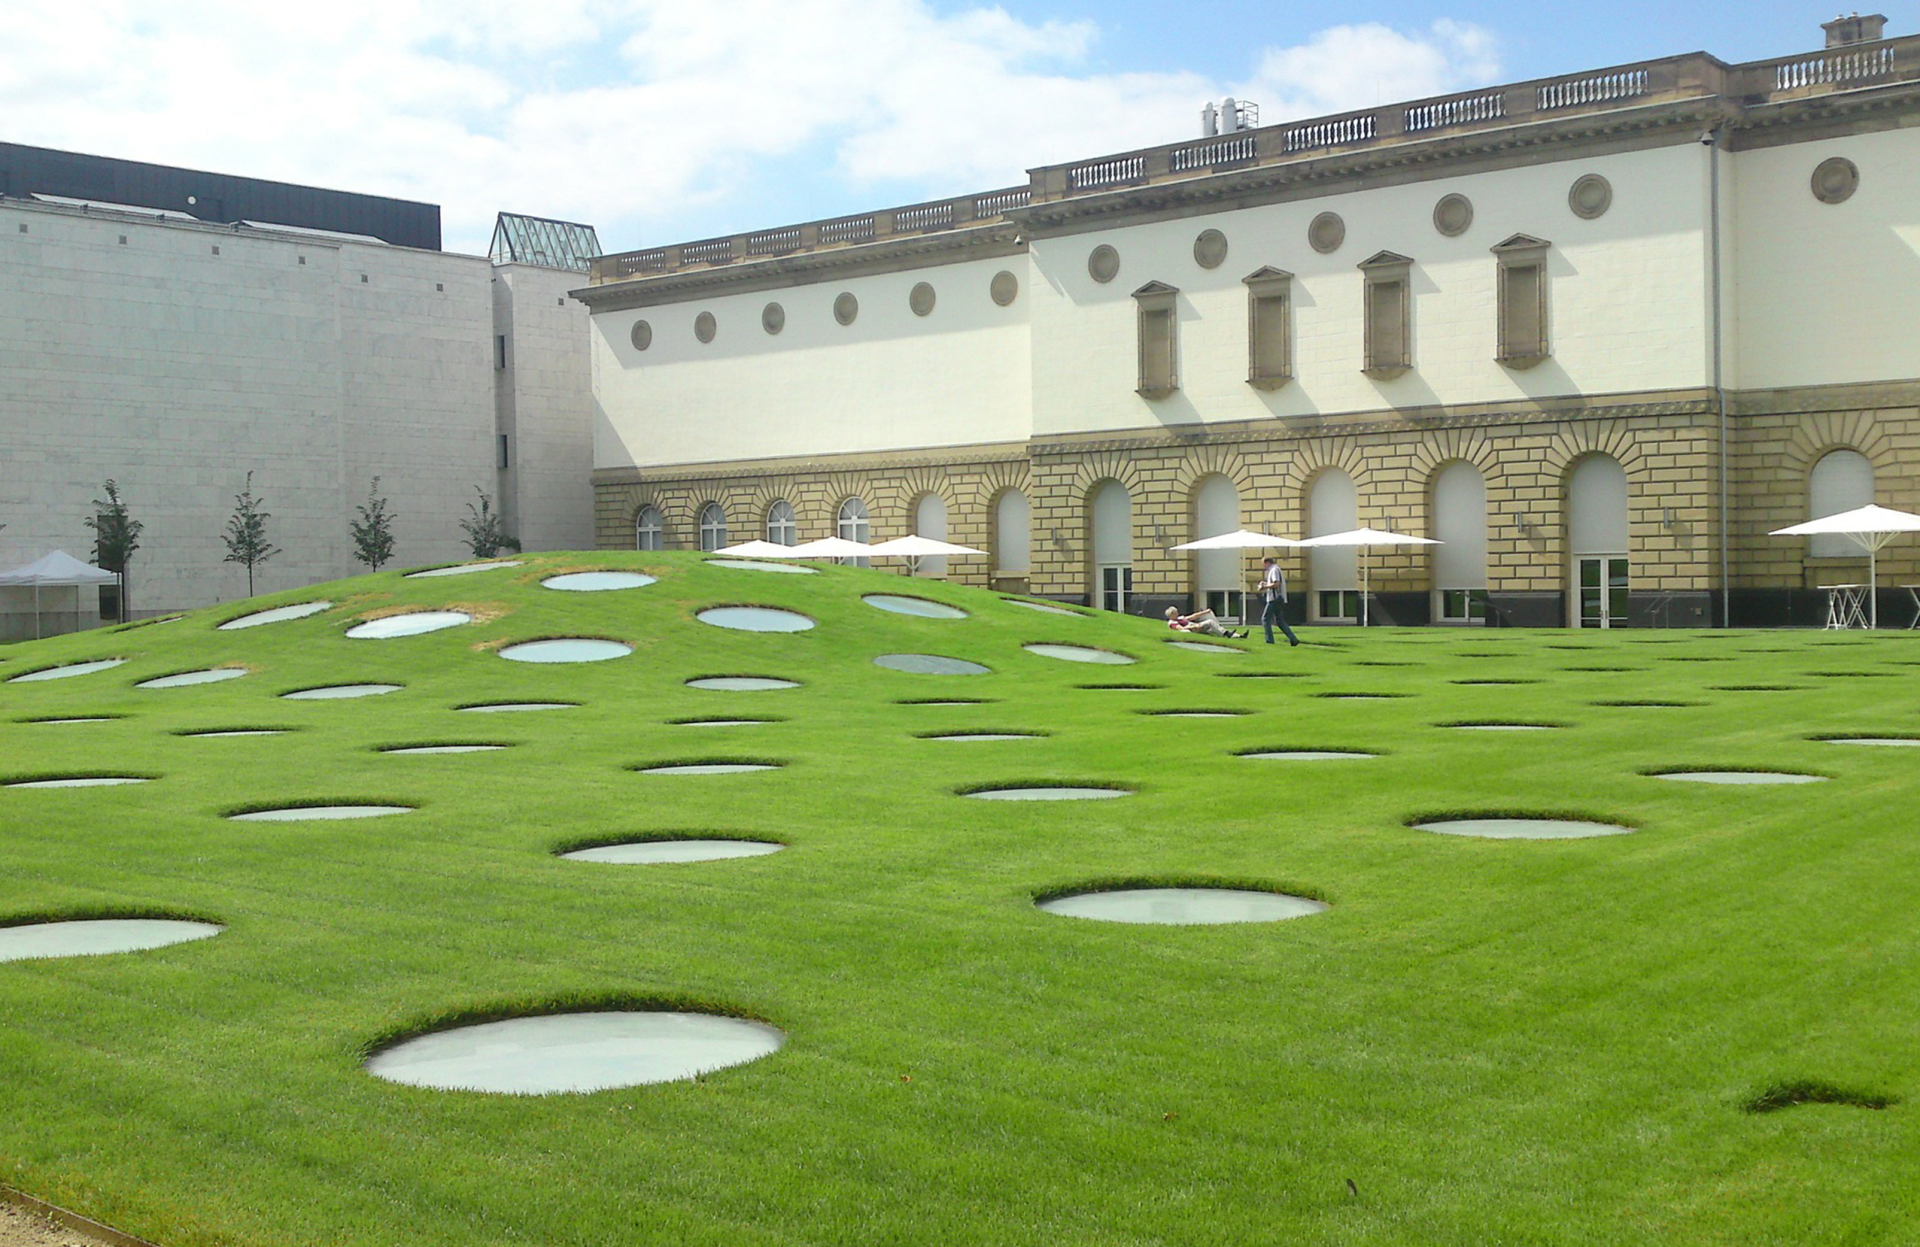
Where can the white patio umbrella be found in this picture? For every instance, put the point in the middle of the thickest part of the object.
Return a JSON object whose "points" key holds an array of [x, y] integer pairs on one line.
{"points": [[1870, 526], [1366, 539], [758, 549], [915, 548], [1241, 539], [830, 548]]}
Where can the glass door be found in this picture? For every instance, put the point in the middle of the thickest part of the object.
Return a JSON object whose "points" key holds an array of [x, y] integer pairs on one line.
{"points": [[1602, 591], [1116, 583]]}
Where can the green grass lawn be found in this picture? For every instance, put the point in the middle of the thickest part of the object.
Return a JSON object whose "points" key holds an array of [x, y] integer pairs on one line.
{"points": [[1494, 1042]]}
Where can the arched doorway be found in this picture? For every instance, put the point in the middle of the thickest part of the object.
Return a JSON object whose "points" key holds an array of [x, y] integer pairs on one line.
{"points": [[1112, 523], [930, 520], [1460, 561], [1333, 506], [1219, 577], [1597, 543]]}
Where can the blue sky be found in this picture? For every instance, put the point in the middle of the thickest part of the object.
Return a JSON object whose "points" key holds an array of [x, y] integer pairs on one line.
{"points": [[662, 121]]}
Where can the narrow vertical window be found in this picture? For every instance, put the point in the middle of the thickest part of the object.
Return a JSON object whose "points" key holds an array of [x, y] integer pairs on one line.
{"points": [[1388, 315], [649, 531], [1269, 328], [1158, 339], [503, 460], [499, 349], [713, 526], [1523, 300]]}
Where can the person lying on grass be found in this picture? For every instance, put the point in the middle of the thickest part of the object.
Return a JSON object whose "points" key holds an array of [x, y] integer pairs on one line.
{"points": [[1203, 621]]}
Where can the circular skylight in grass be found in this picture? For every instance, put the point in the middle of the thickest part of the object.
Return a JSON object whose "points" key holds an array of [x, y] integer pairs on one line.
{"points": [[1506, 827], [900, 604], [1206, 647], [1737, 777], [279, 614], [929, 664], [1890, 742], [741, 683], [1047, 792], [709, 766], [575, 1052], [944, 701], [90, 718], [78, 781], [754, 619], [517, 707], [1196, 906], [411, 750], [1305, 755], [1485, 726], [598, 582], [977, 735], [463, 569], [1194, 714], [754, 565], [212, 675], [1044, 607], [67, 672], [1078, 653], [1855, 675], [1361, 696], [414, 623], [90, 937], [320, 813], [1756, 688], [225, 732], [1646, 702], [1476, 682], [656, 852], [566, 649], [1260, 675], [1120, 688], [338, 692], [718, 721]]}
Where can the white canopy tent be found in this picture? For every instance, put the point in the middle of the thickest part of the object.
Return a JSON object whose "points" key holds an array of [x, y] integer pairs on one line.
{"points": [[1242, 539], [1366, 539], [1870, 526], [830, 548], [758, 549], [55, 570]]}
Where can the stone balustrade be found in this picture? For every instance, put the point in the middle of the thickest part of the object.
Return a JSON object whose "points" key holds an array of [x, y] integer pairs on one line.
{"points": [[1693, 76]]}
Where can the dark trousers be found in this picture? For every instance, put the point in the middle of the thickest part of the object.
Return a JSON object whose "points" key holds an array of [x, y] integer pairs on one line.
{"points": [[1270, 615]]}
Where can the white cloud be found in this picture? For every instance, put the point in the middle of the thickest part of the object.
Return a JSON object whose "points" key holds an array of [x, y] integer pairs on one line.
{"points": [[659, 119]]}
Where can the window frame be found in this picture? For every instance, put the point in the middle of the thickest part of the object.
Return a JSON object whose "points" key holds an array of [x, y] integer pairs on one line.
{"points": [[642, 529], [1522, 253], [1158, 355], [1386, 272], [1269, 326], [712, 526]]}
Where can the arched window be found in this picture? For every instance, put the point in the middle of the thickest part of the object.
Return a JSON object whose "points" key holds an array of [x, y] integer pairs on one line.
{"points": [[1597, 542], [1333, 506], [1460, 561], [649, 532], [713, 526], [930, 520], [781, 528], [1012, 534], [1840, 481], [851, 525], [1112, 546], [1219, 576]]}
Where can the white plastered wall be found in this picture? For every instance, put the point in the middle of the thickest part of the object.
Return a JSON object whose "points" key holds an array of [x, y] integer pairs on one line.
{"points": [[892, 380], [545, 407], [1626, 292], [1824, 292]]}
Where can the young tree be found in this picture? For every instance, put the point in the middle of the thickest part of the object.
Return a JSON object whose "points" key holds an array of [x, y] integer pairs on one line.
{"points": [[116, 535], [373, 534], [482, 527], [246, 534]]}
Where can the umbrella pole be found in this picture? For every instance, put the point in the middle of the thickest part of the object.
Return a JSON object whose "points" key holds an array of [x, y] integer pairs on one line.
{"points": [[1873, 587], [1363, 586]]}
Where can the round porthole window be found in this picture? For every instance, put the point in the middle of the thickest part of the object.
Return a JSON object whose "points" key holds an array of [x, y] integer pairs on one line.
{"points": [[1590, 197], [921, 299], [1103, 263], [1005, 288], [704, 326], [846, 307], [1210, 249], [773, 318], [1835, 179], [1326, 233], [1452, 215], [642, 335]]}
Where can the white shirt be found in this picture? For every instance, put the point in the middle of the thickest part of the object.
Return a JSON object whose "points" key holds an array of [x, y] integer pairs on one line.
{"points": [[1273, 583]]}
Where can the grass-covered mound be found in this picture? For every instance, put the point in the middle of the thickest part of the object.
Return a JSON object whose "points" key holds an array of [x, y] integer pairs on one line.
{"points": [[1492, 1041]]}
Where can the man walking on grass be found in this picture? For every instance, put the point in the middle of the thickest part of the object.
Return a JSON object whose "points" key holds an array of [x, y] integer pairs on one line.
{"points": [[1273, 588]]}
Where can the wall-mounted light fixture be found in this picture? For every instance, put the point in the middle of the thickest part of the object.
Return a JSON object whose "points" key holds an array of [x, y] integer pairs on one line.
{"points": [[1666, 518], [1523, 524]]}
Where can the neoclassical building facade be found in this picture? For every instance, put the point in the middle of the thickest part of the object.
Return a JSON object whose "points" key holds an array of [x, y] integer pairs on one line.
{"points": [[1599, 334]]}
